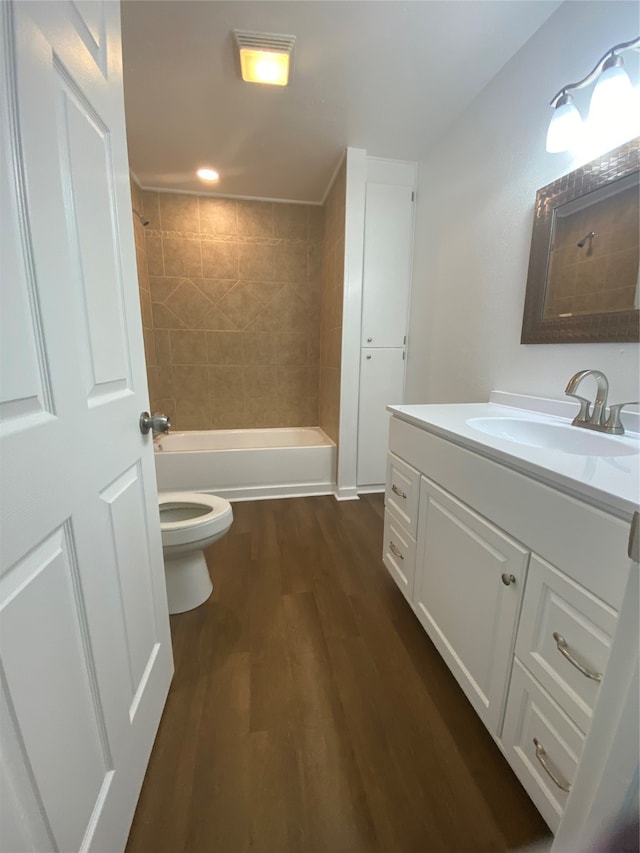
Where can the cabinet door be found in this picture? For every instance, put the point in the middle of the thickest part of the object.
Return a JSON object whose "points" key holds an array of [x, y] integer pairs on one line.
{"points": [[388, 249], [468, 588], [381, 383]]}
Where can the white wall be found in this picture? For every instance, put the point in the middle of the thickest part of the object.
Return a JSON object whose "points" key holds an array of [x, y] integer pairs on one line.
{"points": [[476, 192]]}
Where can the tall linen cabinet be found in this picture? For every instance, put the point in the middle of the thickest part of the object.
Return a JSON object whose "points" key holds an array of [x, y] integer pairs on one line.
{"points": [[386, 284]]}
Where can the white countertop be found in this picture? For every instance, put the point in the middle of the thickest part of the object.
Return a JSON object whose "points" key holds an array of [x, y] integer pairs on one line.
{"points": [[612, 483]]}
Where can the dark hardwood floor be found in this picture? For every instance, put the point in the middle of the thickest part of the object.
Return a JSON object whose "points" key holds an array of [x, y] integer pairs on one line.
{"points": [[310, 713]]}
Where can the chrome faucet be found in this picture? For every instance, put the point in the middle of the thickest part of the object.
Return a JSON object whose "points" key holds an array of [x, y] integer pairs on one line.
{"points": [[600, 418]]}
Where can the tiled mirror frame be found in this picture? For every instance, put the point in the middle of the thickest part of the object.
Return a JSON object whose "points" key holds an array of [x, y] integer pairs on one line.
{"points": [[614, 326]]}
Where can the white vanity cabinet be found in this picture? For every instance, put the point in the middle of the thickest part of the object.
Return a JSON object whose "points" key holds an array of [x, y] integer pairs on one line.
{"points": [[518, 584]]}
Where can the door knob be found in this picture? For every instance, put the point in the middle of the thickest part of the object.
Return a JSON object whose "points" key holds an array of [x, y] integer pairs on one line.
{"points": [[158, 422], [507, 580]]}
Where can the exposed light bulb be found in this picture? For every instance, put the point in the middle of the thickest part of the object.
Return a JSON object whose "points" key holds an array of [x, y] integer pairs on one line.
{"points": [[566, 126]]}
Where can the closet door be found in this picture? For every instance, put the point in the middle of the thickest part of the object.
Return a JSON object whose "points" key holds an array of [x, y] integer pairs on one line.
{"points": [[381, 384], [388, 247]]}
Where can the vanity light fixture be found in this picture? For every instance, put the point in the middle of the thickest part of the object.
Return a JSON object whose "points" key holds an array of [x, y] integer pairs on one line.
{"points": [[610, 99], [207, 174], [265, 57]]}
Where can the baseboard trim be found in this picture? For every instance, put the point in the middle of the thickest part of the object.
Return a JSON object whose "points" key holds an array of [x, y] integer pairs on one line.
{"points": [[349, 493]]}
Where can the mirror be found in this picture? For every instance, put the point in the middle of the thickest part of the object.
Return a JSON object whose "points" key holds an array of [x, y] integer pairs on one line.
{"points": [[583, 283]]}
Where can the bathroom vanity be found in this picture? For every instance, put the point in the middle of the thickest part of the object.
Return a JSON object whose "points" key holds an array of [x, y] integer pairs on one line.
{"points": [[507, 530]]}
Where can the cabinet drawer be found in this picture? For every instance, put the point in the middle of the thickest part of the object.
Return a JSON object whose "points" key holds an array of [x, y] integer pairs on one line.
{"points": [[402, 492], [399, 554], [532, 717], [562, 622]]}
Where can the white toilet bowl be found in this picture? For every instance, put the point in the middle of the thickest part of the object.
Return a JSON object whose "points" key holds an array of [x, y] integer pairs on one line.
{"points": [[190, 522]]}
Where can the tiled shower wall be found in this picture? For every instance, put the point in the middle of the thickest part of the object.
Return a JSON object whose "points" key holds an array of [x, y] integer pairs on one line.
{"points": [[332, 295], [143, 287], [234, 290], [602, 275]]}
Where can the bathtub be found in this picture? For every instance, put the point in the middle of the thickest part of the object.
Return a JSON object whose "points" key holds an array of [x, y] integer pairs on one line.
{"points": [[242, 464]]}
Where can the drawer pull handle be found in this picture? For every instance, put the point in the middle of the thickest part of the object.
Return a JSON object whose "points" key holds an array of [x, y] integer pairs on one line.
{"points": [[395, 551], [507, 580], [564, 649], [397, 491], [541, 755]]}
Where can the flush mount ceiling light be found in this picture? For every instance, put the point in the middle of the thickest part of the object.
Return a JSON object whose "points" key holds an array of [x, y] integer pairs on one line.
{"points": [[265, 57], [610, 101], [207, 174]]}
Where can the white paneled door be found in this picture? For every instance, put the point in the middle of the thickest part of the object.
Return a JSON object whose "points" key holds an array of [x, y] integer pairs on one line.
{"points": [[388, 254], [381, 384], [85, 644]]}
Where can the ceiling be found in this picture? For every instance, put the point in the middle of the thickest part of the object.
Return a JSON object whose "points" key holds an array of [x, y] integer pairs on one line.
{"points": [[383, 75]]}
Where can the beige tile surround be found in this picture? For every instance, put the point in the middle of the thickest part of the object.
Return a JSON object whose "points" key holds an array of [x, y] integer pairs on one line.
{"points": [[331, 314], [143, 277], [232, 309], [602, 276]]}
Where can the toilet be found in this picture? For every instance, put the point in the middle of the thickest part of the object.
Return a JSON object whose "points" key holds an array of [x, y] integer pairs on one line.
{"points": [[189, 523]]}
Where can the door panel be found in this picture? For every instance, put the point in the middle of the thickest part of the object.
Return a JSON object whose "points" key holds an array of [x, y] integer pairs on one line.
{"points": [[462, 600], [89, 23], [381, 384], [388, 245], [43, 633], [127, 519], [88, 182], [24, 381], [86, 652], [22, 816]]}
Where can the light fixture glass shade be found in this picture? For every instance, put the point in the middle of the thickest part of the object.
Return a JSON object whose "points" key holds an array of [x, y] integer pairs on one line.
{"points": [[612, 96], [264, 66], [566, 127], [207, 174]]}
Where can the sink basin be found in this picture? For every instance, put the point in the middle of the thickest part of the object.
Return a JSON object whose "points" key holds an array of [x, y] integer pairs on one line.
{"points": [[555, 436]]}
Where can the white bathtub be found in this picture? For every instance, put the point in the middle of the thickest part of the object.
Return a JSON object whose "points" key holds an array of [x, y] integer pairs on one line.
{"points": [[247, 463]]}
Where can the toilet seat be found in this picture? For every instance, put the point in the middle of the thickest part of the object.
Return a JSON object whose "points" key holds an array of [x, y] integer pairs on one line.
{"points": [[212, 515]]}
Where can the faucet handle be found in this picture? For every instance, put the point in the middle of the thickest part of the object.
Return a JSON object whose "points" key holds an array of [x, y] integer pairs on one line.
{"points": [[583, 415], [613, 423]]}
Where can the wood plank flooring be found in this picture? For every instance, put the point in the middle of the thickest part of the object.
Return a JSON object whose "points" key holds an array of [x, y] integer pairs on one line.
{"points": [[310, 713]]}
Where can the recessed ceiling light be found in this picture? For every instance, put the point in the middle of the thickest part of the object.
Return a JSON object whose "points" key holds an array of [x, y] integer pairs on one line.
{"points": [[207, 174], [265, 57]]}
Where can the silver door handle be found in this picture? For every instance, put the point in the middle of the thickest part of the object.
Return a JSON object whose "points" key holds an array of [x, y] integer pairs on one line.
{"points": [[158, 422], [564, 649], [397, 491]]}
